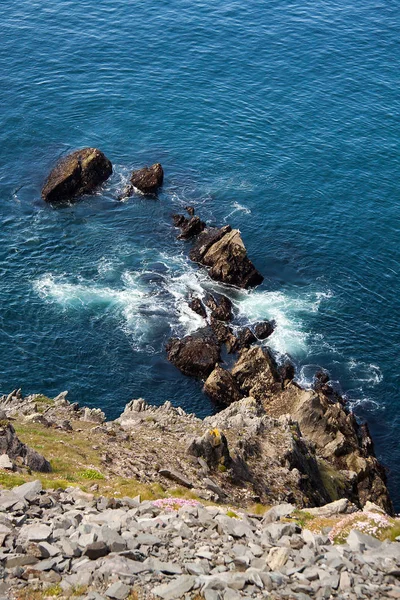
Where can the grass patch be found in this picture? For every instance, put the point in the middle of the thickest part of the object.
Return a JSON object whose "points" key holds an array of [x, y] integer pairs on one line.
{"points": [[91, 474], [232, 514], [258, 508]]}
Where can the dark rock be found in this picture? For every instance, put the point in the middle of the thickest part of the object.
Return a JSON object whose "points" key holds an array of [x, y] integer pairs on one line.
{"points": [[220, 306], [190, 228], [212, 447], [195, 355], [96, 550], [222, 332], [76, 174], [244, 339], [175, 476], [190, 210], [287, 372], [198, 307], [205, 240], [264, 329], [148, 179], [221, 387], [14, 448], [224, 252], [179, 220]]}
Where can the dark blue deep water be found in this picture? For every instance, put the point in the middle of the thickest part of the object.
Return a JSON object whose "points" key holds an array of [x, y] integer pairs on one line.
{"points": [[281, 118]]}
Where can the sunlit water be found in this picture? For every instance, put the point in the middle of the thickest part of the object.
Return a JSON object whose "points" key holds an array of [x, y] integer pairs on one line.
{"points": [[280, 118]]}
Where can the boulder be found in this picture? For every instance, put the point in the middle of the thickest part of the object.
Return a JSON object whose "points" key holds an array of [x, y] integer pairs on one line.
{"points": [[223, 251], [11, 445], [264, 329], [198, 307], [220, 306], [221, 387], [196, 354], [212, 447], [256, 372], [223, 333], [245, 338], [78, 173], [148, 179], [190, 228]]}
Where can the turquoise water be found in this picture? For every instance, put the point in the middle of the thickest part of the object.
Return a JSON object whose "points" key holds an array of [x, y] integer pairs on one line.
{"points": [[281, 118]]}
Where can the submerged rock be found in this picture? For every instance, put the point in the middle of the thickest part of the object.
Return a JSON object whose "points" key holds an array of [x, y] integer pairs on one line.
{"points": [[76, 174], [149, 179], [195, 355]]}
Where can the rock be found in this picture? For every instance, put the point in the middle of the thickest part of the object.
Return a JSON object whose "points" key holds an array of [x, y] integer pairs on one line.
{"points": [[278, 511], [245, 338], [96, 550], [205, 240], [118, 591], [221, 387], [76, 174], [264, 329], [175, 476], [6, 463], [234, 527], [256, 372], [29, 490], [197, 306], [226, 258], [169, 568], [223, 333], [34, 533], [148, 179], [194, 355], [358, 541], [190, 228], [220, 306], [14, 448], [176, 588], [212, 447], [277, 557], [331, 509]]}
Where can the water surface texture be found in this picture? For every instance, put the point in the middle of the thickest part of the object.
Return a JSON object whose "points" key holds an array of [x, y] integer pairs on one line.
{"points": [[281, 118]]}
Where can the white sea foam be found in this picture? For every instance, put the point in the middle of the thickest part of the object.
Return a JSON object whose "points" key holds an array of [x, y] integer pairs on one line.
{"points": [[366, 373]]}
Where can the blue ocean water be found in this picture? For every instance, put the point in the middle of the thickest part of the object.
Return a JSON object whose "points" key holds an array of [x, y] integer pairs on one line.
{"points": [[281, 118]]}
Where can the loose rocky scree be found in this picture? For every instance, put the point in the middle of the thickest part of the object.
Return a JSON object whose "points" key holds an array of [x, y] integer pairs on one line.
{"points": [[69, 540]]}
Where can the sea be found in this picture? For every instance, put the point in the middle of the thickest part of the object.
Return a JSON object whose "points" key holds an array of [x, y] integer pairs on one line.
{"points": [[280, 118]]}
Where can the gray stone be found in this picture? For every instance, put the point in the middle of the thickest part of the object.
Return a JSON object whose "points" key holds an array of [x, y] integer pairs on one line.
{"points": [[277, 557], [277, 530], [118, 591], [176, 588], [234, 527], [6, 463], [8, 499], [154, 564], [34, 533], [277, 512], [48, 550], [29, 491], [358, 541], [176, 476], [20, 560]]}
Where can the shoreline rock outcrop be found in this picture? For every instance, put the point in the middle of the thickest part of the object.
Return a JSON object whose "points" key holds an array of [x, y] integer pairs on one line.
{"points": [[76, 174], [147, 180]]}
